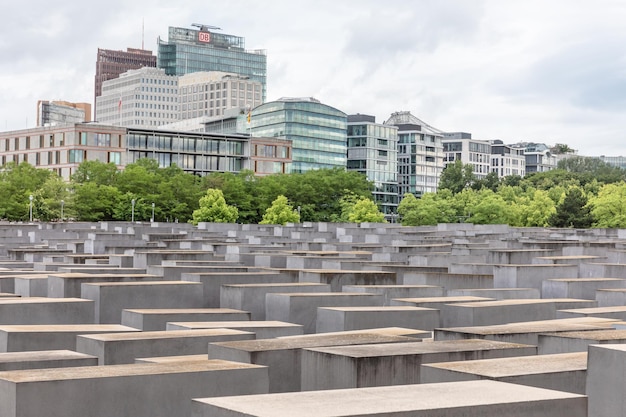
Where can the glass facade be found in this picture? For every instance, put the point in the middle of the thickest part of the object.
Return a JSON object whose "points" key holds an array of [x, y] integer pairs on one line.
{"points": [[190, 50], [317, 131], [373, 151], [195, 153]]}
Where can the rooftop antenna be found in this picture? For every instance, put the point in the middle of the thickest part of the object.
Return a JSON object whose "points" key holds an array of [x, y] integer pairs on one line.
{"points": [[204, 27]]}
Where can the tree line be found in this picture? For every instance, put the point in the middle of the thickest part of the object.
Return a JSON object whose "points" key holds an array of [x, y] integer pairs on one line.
{"points": [[98, 191], [582, 192]]}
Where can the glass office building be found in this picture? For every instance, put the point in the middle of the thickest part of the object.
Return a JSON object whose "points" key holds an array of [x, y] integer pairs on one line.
{"points": [[373, 151], [318, 131], [194, 50]]}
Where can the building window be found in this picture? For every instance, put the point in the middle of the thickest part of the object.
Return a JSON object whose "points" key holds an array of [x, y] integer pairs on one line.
{"points": [[115, 158], [75, 156]]}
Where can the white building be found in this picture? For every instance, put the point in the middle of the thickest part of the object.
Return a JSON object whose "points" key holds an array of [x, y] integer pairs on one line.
{"points": [[145, 97], [148, 98], [461, 146], [420, 154]]}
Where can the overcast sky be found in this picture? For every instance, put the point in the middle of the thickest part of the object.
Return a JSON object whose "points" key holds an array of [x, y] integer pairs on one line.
{"points": [[551, 71]]}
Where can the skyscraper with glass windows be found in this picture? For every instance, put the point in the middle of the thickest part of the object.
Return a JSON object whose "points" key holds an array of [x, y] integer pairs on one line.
{"points": [[204, 49], [318, 131], [373, 151]]}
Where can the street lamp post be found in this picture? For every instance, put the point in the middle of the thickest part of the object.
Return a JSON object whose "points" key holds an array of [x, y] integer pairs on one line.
{"points": [[152, 218], [30, 207], [132, 212], [62, 204]]}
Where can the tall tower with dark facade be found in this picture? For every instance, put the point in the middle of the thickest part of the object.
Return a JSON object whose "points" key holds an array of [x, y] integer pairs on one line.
{"points": [[204, 49], [110, 64]]}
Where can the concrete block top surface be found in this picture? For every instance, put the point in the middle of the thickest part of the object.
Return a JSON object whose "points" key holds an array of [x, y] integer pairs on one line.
{"points": [[389, 400], [597, 335], [517, 301], [160, 311], [324, 294], [82, 275], [384, 287], [300, 342], [232, 324], [385, 331], [41, 355], [61, 328], [274, 285], [542, 326], [173, 359], [41, 300], [585, 279], [518, 365], [417, 348], [108, 371], [597, 310], [379, 308], [169, 334], [141, 283], [454, 299]]}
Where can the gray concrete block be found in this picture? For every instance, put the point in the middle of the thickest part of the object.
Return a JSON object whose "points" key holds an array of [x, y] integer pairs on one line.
{"points": [[156, 319], [65, 285], [562, 372], [337, 319], [251, 297], [338, 278], [18, 338], [578, 341], [612, 312], [606, 377], [611, 297], [263, 329], [451, 399], [13, 361], [121, 348], [41, 310], [584, 288], [111, 298], [301, 308], [530, 276], [283, 355], [496, 293], [340, 367], [397, 291], [140, 390]]}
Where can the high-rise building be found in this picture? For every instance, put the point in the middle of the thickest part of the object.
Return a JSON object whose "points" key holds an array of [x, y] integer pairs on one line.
{"points": [[144, 97], [420, 154], [373, 151], [147, 97], [318, 131], [110, 64], [204, 49], [507, 160], [52, 113]]}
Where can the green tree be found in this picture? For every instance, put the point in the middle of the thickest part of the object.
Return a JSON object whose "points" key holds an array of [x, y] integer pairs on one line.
{"points": [[213, 208], [17, 183], [609, 206], [538, 209], [93, 202], [493, 209], [573, 211], [456, 177], [490, 182], [95, 171], [431, 209], [280, 212], [365, 211], [49, 198]]}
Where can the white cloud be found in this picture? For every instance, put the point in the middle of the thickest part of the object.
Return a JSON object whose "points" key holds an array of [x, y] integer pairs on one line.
{"points": [[533, 70]]}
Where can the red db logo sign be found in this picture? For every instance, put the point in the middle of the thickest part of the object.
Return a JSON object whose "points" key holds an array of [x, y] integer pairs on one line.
{"points": [[204, 37]]}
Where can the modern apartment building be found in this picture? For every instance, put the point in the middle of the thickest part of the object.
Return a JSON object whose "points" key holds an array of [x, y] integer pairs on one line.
{"points": [[507, 160], [461, 146], [110, 64], [420, 154], [317, 131], [538, 157], [51, 113], [144, 97], [373, 151], [204, 49]]}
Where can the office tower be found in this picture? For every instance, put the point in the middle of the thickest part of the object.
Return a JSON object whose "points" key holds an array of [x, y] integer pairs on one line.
{"points": [[144, 97], [204, 49], [318, 131], [110, 64], [420, 154], [373, 151]]}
